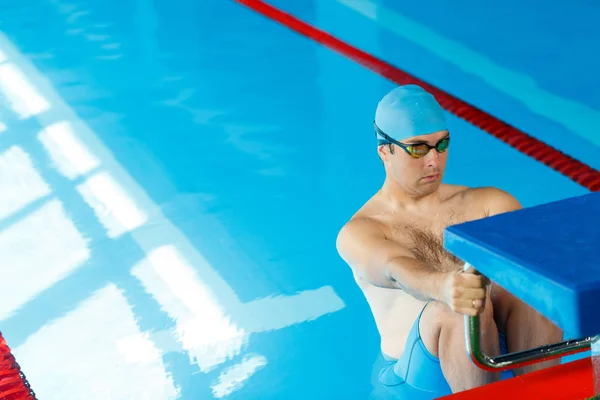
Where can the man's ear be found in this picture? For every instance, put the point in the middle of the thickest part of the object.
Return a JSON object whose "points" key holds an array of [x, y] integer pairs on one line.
{"points": [[384, 152]]}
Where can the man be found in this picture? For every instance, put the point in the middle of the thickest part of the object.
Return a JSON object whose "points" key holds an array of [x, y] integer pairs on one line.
{"points": [[417, 291]]}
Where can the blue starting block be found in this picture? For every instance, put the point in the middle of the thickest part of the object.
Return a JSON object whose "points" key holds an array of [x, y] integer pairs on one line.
{"points": [[547, 255]]}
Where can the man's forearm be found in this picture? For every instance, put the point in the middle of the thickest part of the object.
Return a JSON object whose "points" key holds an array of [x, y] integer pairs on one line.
{"points": [[417, 278]]}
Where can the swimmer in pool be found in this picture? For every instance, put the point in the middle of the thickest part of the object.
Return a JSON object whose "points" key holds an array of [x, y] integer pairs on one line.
{"points": [[417, 291]]}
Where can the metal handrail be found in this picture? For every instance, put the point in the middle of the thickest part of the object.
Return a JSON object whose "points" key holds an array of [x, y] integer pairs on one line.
{"points": [[521, 358]]}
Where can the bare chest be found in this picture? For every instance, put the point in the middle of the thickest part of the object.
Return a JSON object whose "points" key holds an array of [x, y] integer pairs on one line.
{"points": [[424, 237]]}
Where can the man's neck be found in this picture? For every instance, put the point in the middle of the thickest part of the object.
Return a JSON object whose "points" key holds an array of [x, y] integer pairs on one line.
{"points": [[398, 197]]}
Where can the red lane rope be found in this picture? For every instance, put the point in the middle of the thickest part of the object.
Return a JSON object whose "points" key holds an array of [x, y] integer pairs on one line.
{"points": [[577, 171], [13, 384]]}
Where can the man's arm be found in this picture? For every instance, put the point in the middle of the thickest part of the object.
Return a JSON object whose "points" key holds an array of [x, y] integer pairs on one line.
{"points": [[385, 263], [497, 201]]}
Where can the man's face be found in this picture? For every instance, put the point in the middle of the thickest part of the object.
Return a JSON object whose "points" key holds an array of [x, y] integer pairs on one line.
{"points": [[420, 176]]}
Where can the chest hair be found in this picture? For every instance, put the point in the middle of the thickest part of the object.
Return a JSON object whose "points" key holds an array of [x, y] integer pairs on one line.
{"points": [[428, 248], [426, 243]]}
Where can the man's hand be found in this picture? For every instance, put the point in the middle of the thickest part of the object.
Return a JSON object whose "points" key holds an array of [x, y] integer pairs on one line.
{"points": [[464, 292]]}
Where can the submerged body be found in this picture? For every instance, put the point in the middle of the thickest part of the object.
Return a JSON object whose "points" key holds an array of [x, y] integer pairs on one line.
{"points": [[421, 233], [417, 291]]}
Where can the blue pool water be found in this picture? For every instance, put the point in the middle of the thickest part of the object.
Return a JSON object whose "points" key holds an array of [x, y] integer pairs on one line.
{"points": [[173, 176]]}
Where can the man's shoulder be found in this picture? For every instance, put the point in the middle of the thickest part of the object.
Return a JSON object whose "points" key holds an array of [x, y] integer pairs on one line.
{"points": [[477, 191], [366, 222], [356, 235], [491, 193], [366, 215], [494, 200], [361, 223]]}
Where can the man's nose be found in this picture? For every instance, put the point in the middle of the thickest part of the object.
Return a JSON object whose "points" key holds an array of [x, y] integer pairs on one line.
{"points": [[432, 158]]}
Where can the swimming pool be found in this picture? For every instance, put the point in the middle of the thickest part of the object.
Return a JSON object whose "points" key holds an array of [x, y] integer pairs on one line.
{"points": [[177, 173]]}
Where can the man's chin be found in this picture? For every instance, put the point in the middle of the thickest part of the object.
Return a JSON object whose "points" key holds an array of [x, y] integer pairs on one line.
{"points": [[428, 187]]}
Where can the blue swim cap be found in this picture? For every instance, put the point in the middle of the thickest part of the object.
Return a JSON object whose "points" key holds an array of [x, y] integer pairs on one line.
{"points": [[408, 111]]}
